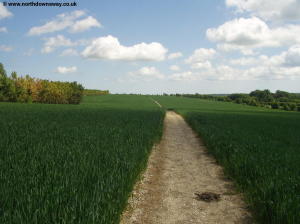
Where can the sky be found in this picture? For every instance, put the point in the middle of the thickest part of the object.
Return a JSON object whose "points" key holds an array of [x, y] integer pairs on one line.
{"points": [[154, 46]]}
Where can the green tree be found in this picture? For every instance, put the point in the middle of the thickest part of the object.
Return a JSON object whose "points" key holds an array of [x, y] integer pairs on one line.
{"points": [[262, 95], [2, 70], [280, 94]]}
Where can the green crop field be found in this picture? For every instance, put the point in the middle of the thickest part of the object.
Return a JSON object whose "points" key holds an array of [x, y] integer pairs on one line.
{"points": [[259, 148], [78, 163], [73, 163]]}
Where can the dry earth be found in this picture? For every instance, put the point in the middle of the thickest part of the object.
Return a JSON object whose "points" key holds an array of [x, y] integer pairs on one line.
{"points": [[178, 168]]}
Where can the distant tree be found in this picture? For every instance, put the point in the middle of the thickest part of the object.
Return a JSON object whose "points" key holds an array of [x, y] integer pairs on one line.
{"points": [[262, 95], [14, 75], [281, 94], [236, 96], [2, 70]]}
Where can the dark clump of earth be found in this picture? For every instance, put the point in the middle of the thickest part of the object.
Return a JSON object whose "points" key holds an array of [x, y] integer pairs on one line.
{"points": [[207, 196]]}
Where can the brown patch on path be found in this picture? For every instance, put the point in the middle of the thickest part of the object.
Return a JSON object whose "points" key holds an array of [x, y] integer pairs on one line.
{"points": [[178, 168]]}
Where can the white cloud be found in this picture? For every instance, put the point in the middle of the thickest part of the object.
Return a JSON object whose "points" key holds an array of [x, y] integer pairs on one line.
{"points": [[292, 56], [248, 34], [289, 58], [4, 13], [60, 22], [65, 70], [283, 66], [146, 74], [52, 43], [64, 21], [248, 61], [5, 48], [251, 32], [110, 48], [268, 9], [218, 72], [69, 52], [174, 55], [202, 65], [183, 76], [201, 57], [84, 24], [174, 68], [3, 30]]}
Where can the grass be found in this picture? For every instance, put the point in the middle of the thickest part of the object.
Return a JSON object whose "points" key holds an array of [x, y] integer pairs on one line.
{"points": [[259, 148], [73, 163]]}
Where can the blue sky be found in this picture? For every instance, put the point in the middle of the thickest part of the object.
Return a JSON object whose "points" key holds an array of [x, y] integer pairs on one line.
{"points": [[139, 46]]}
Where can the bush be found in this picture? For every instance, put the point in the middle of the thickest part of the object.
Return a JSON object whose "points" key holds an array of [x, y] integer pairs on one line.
{"points": [[293, 106], [286, 107], [275, 105]]}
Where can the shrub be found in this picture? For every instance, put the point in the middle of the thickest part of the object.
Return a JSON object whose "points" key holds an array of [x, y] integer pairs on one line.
{"points": [[286, 107], [292, 106], [275, 105]]}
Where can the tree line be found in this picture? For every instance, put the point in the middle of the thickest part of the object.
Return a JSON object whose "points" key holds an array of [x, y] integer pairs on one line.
{"points": [[265, 98], [95, 92], [26, 89]]}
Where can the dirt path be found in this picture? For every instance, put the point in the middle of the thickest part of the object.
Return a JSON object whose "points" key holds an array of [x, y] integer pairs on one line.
{"points": [[178, 167]]}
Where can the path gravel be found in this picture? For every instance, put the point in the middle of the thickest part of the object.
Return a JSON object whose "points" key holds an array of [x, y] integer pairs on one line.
{"points": [[178, 168]]}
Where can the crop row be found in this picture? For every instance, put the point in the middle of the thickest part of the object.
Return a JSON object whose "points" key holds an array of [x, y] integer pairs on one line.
{"points": [[73, 163]]}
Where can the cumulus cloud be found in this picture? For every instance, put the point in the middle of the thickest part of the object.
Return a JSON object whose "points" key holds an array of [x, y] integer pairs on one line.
{"points": [[283, 66], [84, 24], [146, 74], [4, 12], [292, 56], [69, 52], [60, 22], [218, 72], [248, 61], [251, 32], [64, 21], [268, 9], [3, 30], [246, 34], [66, 70], [174, 68], [174, 55], [201, 57], [289, 58], [5, 48], [183, 76], [52, 43], [110, 48]]}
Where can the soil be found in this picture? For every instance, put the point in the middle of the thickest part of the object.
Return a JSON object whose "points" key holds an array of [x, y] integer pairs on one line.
{"points": [[179, 173]]}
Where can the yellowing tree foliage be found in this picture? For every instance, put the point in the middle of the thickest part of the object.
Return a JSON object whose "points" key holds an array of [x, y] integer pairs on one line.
{"points": [[27, 89]]}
